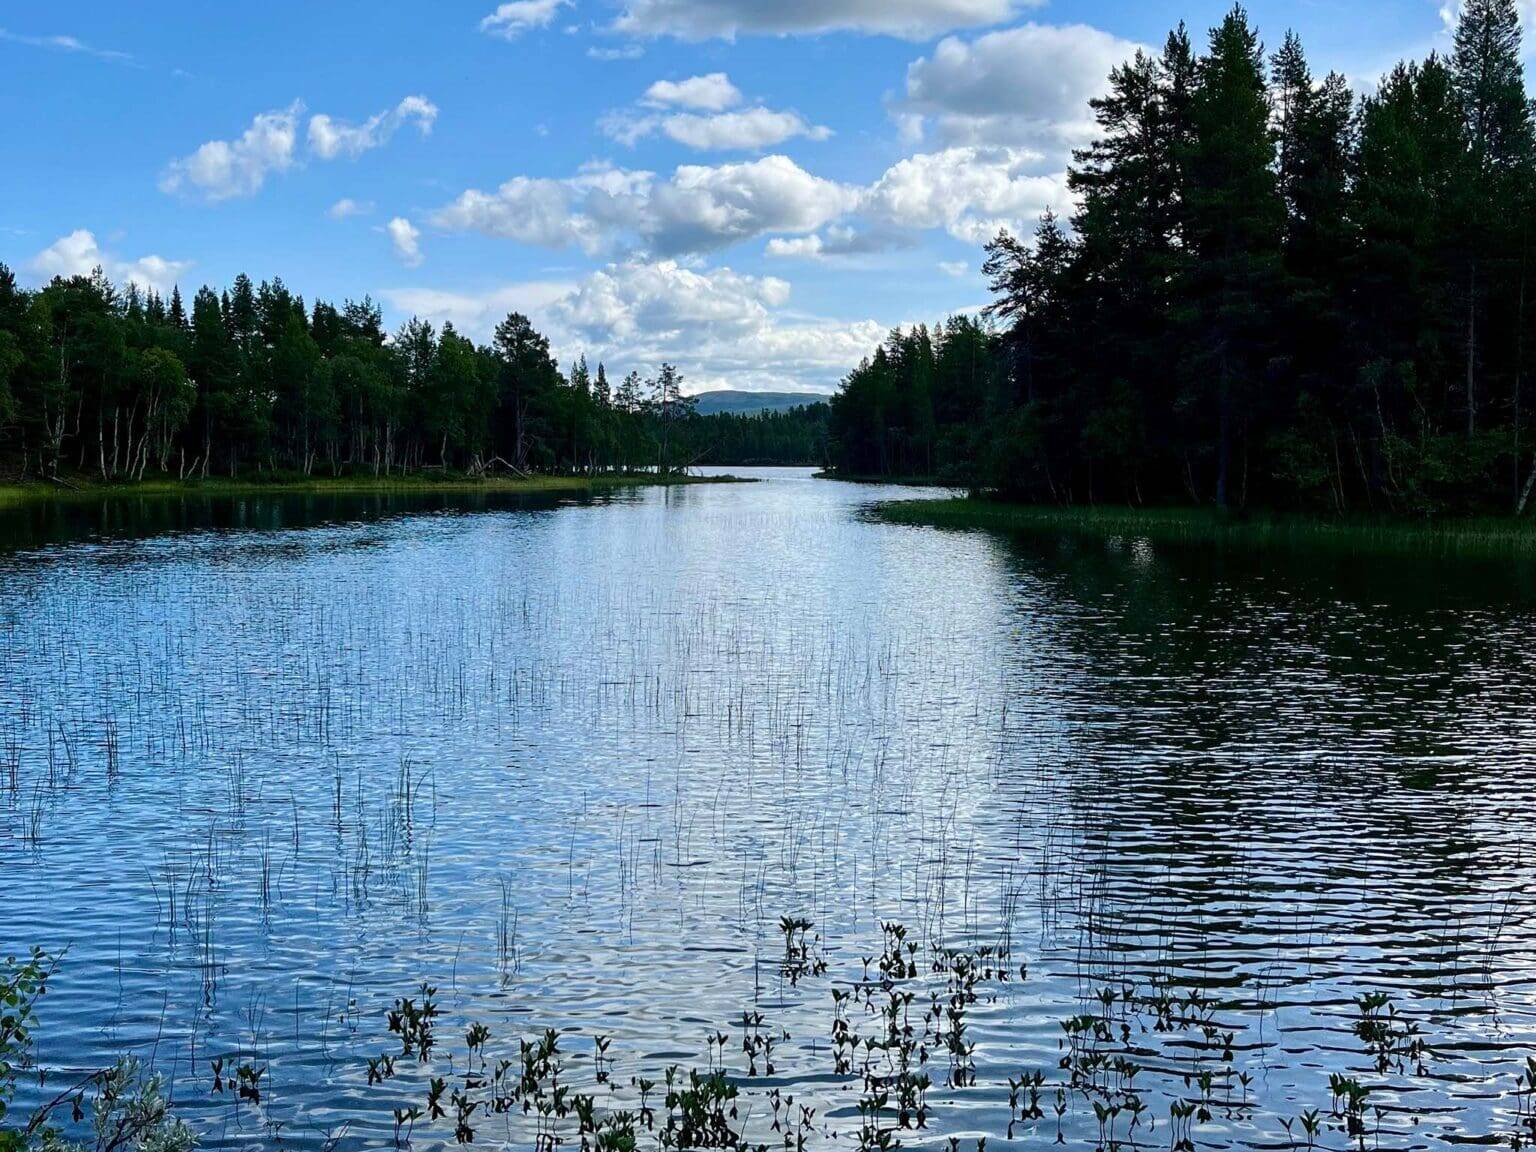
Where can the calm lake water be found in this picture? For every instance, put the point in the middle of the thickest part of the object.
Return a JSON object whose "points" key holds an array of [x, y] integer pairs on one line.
{"points": [[266, 765]]}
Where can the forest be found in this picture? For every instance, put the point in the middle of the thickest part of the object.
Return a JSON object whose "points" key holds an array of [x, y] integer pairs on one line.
{"points": [[1270, 292], [113, 384]]}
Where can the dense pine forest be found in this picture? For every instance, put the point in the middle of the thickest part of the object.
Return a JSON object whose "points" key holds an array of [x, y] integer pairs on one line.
{"points": [[1271, 292], [116, 384]]}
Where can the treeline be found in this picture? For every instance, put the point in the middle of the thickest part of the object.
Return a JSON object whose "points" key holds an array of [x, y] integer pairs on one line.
{"points": [[116, 384], [785, 437], [1271, 292]]}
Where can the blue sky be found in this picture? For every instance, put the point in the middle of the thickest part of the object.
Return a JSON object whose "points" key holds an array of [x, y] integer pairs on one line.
{"points": [[753, 190]]}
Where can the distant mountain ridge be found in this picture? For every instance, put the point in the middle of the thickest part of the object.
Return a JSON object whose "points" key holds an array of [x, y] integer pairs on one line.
{"points": [[745, 403]]}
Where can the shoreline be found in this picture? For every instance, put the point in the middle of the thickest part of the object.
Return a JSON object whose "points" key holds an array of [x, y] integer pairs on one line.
{"points": [[18, 495], [1486, 536], [890, 481]]}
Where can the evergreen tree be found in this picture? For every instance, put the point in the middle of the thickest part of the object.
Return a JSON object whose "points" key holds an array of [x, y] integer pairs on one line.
{"points": [[1235, 217], [670, 406], [1490, 87]]}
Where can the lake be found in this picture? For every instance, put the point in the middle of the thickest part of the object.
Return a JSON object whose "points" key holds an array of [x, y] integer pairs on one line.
{"points": [[1158, 822]]}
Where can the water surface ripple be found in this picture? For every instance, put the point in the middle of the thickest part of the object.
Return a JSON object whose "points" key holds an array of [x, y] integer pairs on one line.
{"points": [[266, 766]]}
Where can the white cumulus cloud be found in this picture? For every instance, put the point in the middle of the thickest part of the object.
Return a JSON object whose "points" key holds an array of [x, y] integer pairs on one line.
{"points": [[527, 209], [406, 239], [751, 129], [703, 208], [745, 130], [702, 113], [511, 20], [477, 314], [720, 327], [909, 19], [224, 169], [628, 303], [971, 192], [1027, 86], [78, 254], [699, 209], [618, 52], [838, 241], [329, 137], [711, 93], [346, 208]]}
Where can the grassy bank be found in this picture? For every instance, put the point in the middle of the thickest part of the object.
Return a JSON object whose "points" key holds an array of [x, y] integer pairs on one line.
{"points": [[890, 481], [1368, 535], [16, 495]]}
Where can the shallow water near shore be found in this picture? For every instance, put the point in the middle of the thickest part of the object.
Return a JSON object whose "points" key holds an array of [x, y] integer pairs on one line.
{"points": [[267, 764]]}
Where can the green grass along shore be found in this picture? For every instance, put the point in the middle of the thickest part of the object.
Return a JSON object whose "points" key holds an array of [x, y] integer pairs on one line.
{"points": [[1363, 534], [17, 495]]}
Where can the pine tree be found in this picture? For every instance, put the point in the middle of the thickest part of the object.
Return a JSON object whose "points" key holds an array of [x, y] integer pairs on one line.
{"points": [[628, 396], [1490, 84], [670, 405], [1291, 82], [242, 320], [1236, 217], [1130, 181], [1490, 87]]}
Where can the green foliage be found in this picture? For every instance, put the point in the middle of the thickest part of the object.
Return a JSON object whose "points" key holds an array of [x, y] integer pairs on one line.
{"points": [[11, 360], [1271, 294], [122, 384], [130, 1112], [127, 1107], [22, 985], [886, 419]]}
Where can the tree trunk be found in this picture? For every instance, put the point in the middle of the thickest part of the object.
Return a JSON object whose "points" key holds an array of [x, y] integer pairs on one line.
{"points": [[1525, 494], [1519, 357], [1472, 354], [1224, 441]]}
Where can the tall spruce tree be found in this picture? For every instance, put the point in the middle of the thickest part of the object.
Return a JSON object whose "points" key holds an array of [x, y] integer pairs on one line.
{"points": [[1236, 217], [1490, 86]]}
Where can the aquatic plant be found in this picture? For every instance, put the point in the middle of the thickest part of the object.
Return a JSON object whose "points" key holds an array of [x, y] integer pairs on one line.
{"points": [[802, 951], [22, 985], [127, 1105], [1393, 1042], [413, 1020], [1524, 1135], [1349, 1105], [907, 1005]]}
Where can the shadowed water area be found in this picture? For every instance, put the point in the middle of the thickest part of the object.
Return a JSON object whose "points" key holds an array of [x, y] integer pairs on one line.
{"points": [[268, 764]]}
